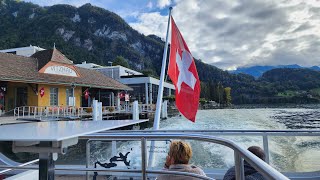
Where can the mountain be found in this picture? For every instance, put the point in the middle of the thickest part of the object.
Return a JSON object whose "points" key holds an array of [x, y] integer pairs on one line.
{"points": [[92, 34], [299, 79], [317, 68], [257, 71], [87, 33]]}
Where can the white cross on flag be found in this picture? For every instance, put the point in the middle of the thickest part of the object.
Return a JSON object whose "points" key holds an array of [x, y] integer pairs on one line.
{"points": [[183, 73]]}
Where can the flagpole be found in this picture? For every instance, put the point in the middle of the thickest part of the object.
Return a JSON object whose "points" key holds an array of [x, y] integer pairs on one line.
{"points": [[156, 121]]}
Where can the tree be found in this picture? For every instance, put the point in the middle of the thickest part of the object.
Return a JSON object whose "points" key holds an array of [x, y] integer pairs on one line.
{"points": [[119, 60], [227, 92], [149, 72]]}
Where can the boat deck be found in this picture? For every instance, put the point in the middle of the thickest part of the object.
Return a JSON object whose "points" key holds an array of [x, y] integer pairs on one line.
{"points": [[10, 120]]}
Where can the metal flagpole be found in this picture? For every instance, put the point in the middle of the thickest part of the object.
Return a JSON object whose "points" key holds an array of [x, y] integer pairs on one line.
{"points": [[156, 121]]}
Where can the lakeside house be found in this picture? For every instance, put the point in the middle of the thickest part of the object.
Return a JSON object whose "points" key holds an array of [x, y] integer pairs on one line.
{"points": [[145, 88], [49, 78]]}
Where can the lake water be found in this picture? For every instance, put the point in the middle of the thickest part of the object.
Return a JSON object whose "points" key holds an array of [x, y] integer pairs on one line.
{"points": [[299, 154], [287, 153]]}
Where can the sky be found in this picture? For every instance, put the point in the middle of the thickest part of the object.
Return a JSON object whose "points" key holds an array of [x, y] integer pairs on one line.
{"points": [[228, 33]]}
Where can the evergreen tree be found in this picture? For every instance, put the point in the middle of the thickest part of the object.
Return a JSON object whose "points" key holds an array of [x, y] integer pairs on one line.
{"points": [[119, 60]]}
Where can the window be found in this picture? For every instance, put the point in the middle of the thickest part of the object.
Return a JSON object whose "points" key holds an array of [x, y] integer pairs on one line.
{"points": [[69, 94], [54, 96]]}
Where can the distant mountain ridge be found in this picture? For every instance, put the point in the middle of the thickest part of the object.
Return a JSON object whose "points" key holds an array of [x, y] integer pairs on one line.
{"points": [[257, 71]]}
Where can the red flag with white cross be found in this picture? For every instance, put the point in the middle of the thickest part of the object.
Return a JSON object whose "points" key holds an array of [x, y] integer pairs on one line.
{"points": [[86, 94], [183, 73]]}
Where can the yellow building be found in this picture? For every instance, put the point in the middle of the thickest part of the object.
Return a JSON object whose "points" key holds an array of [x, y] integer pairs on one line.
{"points": [[48, 78]]}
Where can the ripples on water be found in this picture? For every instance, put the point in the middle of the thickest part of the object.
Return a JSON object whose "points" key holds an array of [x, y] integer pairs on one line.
{"points": [[287, 153], [309, 119]]}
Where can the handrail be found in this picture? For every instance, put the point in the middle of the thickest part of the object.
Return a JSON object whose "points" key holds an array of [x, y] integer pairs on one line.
{"points": [[63, 111], [263, 133], [253, 132], [113, 170], [20, 165], [240, 153]]}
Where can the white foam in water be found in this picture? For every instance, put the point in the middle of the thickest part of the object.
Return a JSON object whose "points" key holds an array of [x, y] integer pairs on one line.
{"points": [[287, 153]]}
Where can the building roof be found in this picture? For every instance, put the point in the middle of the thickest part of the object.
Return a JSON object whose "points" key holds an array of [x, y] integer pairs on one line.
{"points": [[23, 51], [50, 55], [26, 69], [23, 48], [88, 65]]}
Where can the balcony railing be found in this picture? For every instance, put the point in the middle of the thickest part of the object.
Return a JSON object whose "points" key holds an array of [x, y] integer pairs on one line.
{"points": [[70, 111]]}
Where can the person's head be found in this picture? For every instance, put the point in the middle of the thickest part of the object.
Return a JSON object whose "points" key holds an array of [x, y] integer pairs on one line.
{"points": [[257, 151], [180, 152]]}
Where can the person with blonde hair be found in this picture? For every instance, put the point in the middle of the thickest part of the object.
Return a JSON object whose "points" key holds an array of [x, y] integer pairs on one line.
{"points": [[179, 154]]}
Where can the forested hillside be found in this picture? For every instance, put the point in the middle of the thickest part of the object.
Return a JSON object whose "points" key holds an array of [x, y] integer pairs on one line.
{"points": [[93, 34]]}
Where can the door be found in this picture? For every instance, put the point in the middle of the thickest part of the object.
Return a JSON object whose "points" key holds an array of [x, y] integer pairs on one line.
{"points": [[22, 96]]}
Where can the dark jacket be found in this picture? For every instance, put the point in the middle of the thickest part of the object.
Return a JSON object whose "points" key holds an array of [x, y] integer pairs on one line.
{"points": [[249, 172]]}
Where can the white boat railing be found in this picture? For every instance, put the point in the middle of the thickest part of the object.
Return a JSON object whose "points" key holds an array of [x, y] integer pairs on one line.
{"points": [[44, 111], [264, 134], [70, 111], [240, 154], [20, 165]]}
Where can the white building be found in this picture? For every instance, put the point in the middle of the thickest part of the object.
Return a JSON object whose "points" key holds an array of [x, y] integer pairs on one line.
{"points": [[23, 51], [145, 89], [88, 65]]}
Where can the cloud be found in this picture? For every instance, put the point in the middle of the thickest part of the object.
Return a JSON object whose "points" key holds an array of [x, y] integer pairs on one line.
{"points": [[163, 3], [151, 23], [150, 5], [229, 33]]}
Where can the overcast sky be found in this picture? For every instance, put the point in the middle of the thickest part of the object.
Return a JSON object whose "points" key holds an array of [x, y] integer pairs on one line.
{"points": [[229, 33]]}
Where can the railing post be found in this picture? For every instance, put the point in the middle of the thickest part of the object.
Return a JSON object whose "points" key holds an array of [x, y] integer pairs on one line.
{"points": [[143, 158], [87, 157], [266, 147], [238, 162], [29, 111], [18, 111], [35, 112], [23, 109]]}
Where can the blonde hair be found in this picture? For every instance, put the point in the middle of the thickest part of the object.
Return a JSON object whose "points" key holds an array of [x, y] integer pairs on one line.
{"points": [[180, 151]]}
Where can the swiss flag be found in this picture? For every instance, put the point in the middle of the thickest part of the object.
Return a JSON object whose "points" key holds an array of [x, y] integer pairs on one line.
{"points": [[86, 94], [183, 73], [42, 92]]}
